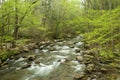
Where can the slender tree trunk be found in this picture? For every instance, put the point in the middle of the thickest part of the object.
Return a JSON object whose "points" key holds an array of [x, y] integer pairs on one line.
{"points": [[16, 26], [15, 33], [112, 33], [8, 21], [2, 30]]}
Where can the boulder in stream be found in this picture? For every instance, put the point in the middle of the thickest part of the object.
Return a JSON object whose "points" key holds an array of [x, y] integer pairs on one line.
{"points": [[103, 70], [37, 62], [79, 58], [31, 57], [79, 76], [12, 57], [25, 49], [77, 50], [26, 66], [4, 63], [86, 46], [90, 52], [88, 57], [90, 67], [52, 49]]}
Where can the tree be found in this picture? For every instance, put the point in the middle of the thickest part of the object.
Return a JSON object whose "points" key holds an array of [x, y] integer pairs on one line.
{"points": [[19, 20]]}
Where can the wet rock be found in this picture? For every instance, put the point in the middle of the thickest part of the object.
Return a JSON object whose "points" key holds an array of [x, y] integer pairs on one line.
{"points": [[67, 60], [12, 57], [37, 62], [90, 67], [71, 46], [51, 49], [86, 46], [79, 58], [48, 43], [79, 76], [42, 47], [8, 45], [60, 43], [69, 43], [88, 57], [59, 60], [4, 63], [24, 56], [77, 50], [90, 52], [16, 57], [32, 46], [103, 70], [31, 57], [14, 49], [25, 49], [4, 66], [51, 44], [42, 43], [26, 66]]}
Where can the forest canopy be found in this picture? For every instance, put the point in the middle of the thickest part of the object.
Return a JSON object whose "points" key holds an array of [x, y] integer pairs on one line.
{"points": [[98, 21]]}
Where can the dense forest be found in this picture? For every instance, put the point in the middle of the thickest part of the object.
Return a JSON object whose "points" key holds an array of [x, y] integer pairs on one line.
{"points": [[29, 21]]}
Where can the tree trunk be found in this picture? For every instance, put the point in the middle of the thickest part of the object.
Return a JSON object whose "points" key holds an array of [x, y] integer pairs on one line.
{"points": [[16, 27], [15, 33]]}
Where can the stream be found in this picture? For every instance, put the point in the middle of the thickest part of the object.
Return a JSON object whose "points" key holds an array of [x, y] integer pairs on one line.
{"points": [[57, 64], [60, 60]]}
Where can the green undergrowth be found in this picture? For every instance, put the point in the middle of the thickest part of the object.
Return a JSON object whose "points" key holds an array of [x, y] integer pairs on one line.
{"points": [[4, 54], [22, 41], [106, 35]]}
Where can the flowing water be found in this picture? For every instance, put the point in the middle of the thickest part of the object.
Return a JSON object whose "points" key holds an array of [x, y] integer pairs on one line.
{"points": [[59, 64]]}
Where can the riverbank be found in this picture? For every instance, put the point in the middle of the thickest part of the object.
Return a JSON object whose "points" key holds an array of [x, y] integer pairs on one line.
{"points": [[59, 60]]}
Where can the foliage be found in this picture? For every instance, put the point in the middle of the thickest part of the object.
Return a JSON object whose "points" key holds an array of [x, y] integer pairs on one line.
{"points": [[4, 54], [97, 20]]}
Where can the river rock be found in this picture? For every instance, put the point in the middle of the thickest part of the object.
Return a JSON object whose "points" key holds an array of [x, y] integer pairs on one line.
{"points": [[86, 46], [31, 57], [90, 52], [60, 43], [51, 45], [4, 63], [4, 66], [77, 50], [25, 49], [16, 57], [79, 76], [48, 43], [32, 45], [72, 46], [51, 49], [79, 58], [12, 57], [37, 62], [90, 67], [103, 70], [9, 45], [14, 49], [26, 66], [88, 57], [42, 43]]}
